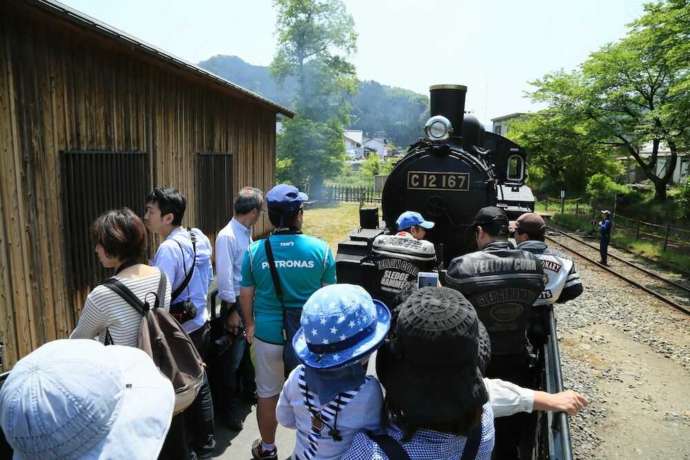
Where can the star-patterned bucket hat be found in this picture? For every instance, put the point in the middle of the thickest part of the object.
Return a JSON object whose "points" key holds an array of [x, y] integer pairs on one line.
{"points": [[340, 324]]}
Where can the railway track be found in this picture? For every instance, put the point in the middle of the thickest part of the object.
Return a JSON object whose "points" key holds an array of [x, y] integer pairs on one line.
{"points": [[676, 295]]}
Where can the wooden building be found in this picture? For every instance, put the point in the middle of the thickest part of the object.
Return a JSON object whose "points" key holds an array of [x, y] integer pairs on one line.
{"points": [[91, 119]]}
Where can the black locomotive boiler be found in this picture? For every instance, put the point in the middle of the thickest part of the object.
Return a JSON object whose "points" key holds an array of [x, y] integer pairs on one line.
{"points": [[447, 176]]}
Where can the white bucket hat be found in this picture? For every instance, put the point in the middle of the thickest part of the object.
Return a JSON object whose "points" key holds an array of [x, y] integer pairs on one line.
{"points": [[78, 399]]}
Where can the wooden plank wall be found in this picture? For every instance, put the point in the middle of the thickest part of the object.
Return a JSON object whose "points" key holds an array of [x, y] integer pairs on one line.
{"points": [[63, 88]]}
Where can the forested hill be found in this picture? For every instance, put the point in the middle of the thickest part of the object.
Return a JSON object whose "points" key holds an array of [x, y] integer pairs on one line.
{"points": [[377, 109]]}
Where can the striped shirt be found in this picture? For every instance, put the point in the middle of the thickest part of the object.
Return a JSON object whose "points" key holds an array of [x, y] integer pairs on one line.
{"points": [[104, 309], [357, 410]]}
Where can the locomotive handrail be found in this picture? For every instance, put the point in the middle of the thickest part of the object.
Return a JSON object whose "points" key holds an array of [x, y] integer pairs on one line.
{"points": [[559, 444]]}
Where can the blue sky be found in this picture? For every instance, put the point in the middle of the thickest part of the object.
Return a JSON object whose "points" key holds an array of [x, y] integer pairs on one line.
{"points": [[495, 47]]}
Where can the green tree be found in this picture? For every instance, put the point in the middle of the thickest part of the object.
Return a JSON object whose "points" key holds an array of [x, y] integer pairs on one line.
{"points": [[315, 39], [317, 152], [563, 153], [634, 90]]}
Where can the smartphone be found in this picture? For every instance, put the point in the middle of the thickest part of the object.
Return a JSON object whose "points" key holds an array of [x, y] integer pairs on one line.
{"points": [[425, 279]]}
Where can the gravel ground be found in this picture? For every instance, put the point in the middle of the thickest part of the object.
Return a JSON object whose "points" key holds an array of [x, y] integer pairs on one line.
{"points": [[618, 344]]}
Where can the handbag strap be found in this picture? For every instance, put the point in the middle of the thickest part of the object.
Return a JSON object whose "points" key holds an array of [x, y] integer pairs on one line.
{"points": [[131, 298], [472, 443], [128, 296], [274, 272], [188, 276], [390, 446]]}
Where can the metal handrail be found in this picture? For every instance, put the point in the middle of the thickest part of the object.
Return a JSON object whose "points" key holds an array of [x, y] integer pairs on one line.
{"points": [[560, 446]]}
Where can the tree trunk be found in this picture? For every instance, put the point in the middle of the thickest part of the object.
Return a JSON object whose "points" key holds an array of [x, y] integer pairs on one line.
{"points": [[660, 190]]}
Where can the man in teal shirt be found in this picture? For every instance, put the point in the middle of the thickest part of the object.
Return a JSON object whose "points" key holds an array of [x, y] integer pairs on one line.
{"points": [[303, 264]]}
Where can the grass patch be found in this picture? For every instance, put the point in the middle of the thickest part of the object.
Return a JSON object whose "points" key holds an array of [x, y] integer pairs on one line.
{"points": [[573, 222], [651, 250], [332, 223]]}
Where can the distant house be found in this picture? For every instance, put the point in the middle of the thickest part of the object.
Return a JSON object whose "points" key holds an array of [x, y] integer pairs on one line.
{"points": [[353, 143], [633, 173], [501, 125], [378, 145]]}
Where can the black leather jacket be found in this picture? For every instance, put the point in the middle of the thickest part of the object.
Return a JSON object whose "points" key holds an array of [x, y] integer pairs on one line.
{"points": [[502, 283]]}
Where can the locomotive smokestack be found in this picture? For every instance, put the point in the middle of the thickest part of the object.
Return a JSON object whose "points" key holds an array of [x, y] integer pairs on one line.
{"points": [[449, 101]]}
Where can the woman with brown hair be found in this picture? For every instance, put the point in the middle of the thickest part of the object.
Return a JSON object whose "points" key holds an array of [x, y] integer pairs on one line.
{"points": [[120, 240]]}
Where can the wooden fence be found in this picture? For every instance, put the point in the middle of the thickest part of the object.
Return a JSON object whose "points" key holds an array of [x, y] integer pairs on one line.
{"points": [[339, 193], [676, 237], [669, 236]]}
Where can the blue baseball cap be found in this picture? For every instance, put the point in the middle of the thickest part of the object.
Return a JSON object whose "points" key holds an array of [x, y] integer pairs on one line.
{"points": [[340, 324], [285, 195], [410, 218]]}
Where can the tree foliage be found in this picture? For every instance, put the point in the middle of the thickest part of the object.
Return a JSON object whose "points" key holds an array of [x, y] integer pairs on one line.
{"points": [[317, 152], [563, 152], [375, 166], [634, 91], [315, 38]]}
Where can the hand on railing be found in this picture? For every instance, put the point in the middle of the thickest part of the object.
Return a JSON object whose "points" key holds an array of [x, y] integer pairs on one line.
{"points": [[567, 401]]}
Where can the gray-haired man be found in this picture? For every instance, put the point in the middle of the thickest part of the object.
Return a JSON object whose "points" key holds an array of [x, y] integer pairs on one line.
{"points": [[231, 244]]}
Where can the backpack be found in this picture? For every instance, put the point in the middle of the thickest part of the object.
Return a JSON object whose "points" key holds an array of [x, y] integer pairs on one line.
{"points": [[164, 340]]}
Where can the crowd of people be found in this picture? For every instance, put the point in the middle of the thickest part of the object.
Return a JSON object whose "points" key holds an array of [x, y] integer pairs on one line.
{"points": [[450, 376]]}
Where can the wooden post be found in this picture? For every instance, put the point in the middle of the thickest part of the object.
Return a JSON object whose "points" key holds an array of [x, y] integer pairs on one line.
{"points": [[577, 208], [668, 227], [637, 232]]}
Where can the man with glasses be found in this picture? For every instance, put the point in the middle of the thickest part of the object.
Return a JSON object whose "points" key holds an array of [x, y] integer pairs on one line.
{"points": [[231, 244], [279, 274]]}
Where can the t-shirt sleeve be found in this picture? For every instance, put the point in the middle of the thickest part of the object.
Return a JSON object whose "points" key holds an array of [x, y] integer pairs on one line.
{"points": [[247, 273], [92, 321], [329, 268]]}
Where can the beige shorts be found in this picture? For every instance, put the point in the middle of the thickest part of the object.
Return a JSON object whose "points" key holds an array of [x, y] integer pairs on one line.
{"points": [[268, 368]]}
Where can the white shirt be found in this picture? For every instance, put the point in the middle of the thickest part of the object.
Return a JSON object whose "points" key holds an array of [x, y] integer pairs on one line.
{"points": [[231, 244], [507, 398], [360, 412]]}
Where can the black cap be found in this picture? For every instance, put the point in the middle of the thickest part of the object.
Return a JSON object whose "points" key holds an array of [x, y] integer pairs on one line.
{"points": [[489, 215], [429, 367]]}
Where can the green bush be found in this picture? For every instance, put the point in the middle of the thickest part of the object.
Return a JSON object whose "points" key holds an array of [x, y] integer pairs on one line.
{"points": [[573, 222], [601, 187], [682, 199]]}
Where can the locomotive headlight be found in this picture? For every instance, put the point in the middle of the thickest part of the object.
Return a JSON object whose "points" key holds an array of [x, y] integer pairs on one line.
{"points": [[438, 128]]}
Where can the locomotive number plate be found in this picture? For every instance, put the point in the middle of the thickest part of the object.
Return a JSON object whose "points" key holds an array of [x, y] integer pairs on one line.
{"points": [[454, 181]]}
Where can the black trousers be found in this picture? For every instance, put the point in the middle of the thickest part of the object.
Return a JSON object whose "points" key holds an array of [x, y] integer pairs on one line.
{"points": [[603, 248], [514, 434], [199, 416]]}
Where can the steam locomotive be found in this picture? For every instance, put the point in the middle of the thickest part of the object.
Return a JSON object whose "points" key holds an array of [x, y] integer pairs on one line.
{"points": [[447, 176]]}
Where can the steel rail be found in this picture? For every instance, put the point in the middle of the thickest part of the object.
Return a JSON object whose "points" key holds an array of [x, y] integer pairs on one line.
{"points": [[624, 278], [642, 269]]}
